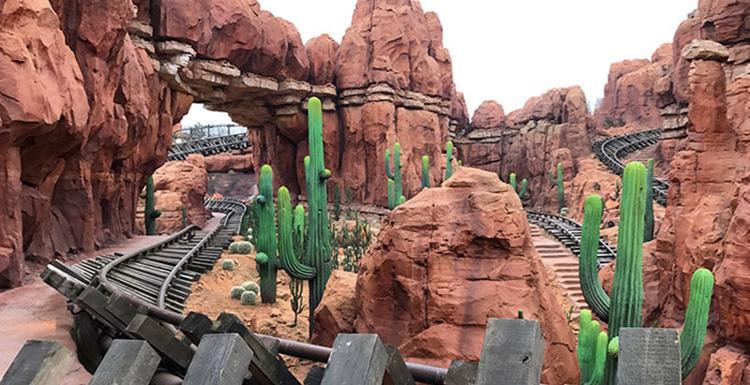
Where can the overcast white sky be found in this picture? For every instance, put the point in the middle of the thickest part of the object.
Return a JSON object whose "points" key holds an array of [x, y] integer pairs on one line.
{"points": [[512, 50]]}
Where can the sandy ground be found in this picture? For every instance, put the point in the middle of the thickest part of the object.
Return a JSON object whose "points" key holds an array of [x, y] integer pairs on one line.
{"points": [[37, 311], [211, 297]]}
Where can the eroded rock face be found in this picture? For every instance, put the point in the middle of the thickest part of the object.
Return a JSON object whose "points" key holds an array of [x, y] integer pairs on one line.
{"points": [[321, 52], [447, 254], [77, 154], [636, 91], [335, 313], [549, 129], [489, 114]]}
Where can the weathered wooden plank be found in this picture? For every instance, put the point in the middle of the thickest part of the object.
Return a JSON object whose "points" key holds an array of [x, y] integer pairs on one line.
{"points": [[119, 307], [649, 356], [265, 367], [396, 372], [127, 362], [95, 302], [177, 353], [356, 359], [512, 353], [38, 363], [221, 359], [461, 373], [315, 375], [195, 326]]}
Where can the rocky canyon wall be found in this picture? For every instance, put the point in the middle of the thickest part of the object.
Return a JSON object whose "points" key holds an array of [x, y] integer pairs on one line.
{"points": [[550, 129]]}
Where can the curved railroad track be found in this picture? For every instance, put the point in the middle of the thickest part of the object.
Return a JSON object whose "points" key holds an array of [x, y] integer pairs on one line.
{"points": [[611, 150], [568, 232], [208, 146], [161, 275]]}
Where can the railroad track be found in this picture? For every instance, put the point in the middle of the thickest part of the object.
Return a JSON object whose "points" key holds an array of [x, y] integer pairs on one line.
{"points": [[208, 146], [161, 275], [568, 232], [611, 150]]}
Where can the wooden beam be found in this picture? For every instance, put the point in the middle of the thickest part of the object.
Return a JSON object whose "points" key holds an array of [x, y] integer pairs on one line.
{"points": [[512, 353], [461, 373], [177, 353], [39, 363], [128, 362], [356, 359], [649, 356], [221, 359]]}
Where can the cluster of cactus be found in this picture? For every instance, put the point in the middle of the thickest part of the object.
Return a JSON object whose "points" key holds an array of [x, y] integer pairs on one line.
{"points": [[592, 349], [353, 241], [449, 160], [557, 178], [150, 213], [649, 226], [623, 308], [247, 293], [315, 267], [425, 171], [520, 190], [228, 265], [266, 235], [242, 247], [395, 181]]}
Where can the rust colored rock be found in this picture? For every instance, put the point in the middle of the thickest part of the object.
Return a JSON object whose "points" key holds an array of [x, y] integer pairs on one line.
{"points": [[557, 105], [335, 314], [180, 184], [229, 162], [705, 50], [725, 21], [11, 241], [446, 254], [686, 32], [726, 367], [636, 91], [321, 53], [459, 111], [396, 43], [489, 114]]}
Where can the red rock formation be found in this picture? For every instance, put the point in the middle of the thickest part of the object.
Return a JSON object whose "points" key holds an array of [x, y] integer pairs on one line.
{"points": [[321, 52], [636, 91], [489, 114], [177, 185], [447, 253], [81, 148], [335, 313], [549, 129]]}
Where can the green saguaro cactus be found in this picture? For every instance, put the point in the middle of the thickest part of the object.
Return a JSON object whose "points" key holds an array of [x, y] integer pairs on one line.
{"points": [[150, 213], [696, 319], [316, 267], [392, 202], [395, 173], [425, 171], [524, 186], [649, 226], [512, 181], [449, 160], [592, 349], [588, 272], [557, 178], [266, 235]]}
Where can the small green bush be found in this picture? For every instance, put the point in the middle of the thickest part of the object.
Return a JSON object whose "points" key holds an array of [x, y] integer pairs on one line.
{"points": [[236, 292], [248, 297], [228, 264], [251, 286], [241, 247]]}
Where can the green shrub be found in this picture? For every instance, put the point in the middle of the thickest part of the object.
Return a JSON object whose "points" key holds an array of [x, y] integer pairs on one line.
{"points": [[248, 297], [228, 264], [236, 292]]}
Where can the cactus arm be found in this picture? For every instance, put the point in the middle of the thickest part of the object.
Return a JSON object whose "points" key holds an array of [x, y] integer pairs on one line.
{"points": [[600, 359], [448, 160], [425, 171], [524, 186], [613, 348], [401, 200], [298, 225], [391, 194], [649, 226], [289, 259], [388, 171], [585, 344], [696, 319], [627, 291], [588, 272], [397, 170], [266, 235]]}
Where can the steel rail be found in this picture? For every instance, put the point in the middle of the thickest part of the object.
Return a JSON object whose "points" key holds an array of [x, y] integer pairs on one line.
{"points": [[556, 221]]}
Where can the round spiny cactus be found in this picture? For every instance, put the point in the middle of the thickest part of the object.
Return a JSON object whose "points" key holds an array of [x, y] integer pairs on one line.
{"points": [[228, 264], [251, 286], [236, 292], [241, 248], [248, 297], [261, 258]]}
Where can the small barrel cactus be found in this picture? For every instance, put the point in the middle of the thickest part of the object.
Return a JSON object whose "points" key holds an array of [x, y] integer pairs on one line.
{"points": [[251, 286], [248, 297], [228, 264], [236, 292], [241, 247]]}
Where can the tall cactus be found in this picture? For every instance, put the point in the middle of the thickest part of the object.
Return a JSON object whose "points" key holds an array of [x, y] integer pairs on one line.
{"points": [[317, 262], [696, 319], [395, 174], [592, 349], [392, 202], [266, 235], [524, 187], [512, 181], [557, 178], [150, 213], [425, 171], [449, 160], [649, 226], [588, 272]]}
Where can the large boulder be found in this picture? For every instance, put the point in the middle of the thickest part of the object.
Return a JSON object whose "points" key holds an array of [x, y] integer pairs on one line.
{"points": [[448, 260], [489, 114], [335, 313], [177, 185], [321, 52]]}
